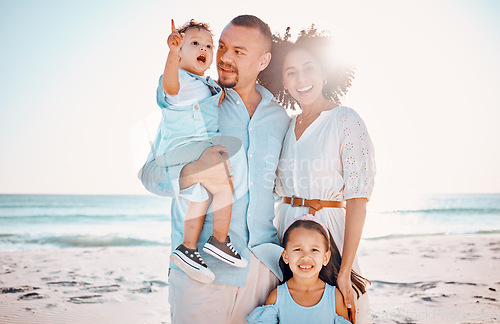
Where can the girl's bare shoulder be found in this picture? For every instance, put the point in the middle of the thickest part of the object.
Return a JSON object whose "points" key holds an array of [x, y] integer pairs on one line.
{"points": [[271, 300]]}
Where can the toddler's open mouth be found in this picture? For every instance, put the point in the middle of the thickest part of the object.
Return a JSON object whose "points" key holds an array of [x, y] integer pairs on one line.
{"points": [[202, 58]]}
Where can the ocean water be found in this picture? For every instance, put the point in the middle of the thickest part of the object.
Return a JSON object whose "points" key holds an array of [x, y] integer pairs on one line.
{"points": [[30, 222], [434, 215]]}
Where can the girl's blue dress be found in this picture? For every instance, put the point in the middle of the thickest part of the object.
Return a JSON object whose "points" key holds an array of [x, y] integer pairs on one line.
{"points": [[287, 311]]}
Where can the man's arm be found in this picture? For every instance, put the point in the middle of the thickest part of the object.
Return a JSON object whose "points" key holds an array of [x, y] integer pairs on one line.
{"points": [[211, 170], [156, 178]]}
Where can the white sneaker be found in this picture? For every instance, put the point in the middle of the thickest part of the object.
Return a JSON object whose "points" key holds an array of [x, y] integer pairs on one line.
{"points": [[224, 251], [192, 264]]}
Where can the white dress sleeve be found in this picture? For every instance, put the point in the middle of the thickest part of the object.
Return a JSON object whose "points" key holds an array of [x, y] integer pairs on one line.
{"points": [[357, 154]]}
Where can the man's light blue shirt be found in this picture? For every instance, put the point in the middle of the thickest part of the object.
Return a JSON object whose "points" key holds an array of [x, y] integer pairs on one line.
{"points": [[254, 170]]}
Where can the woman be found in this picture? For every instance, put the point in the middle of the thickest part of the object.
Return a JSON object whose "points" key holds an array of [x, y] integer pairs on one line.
{"points": [[327, 156]]}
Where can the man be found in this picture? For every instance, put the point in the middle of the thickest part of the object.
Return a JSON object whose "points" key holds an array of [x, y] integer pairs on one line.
{"points": [[249, 114]]}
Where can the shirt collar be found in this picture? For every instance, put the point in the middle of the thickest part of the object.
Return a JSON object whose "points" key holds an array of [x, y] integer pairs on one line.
{"points": [[264, 93]]}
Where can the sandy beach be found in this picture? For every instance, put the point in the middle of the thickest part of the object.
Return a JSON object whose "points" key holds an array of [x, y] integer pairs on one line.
{"points": [[427, 279], [434, 279], [85, 285]]}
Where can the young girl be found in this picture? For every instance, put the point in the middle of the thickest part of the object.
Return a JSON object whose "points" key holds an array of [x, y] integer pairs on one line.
{"points": [[189, 125], [311, 262]]}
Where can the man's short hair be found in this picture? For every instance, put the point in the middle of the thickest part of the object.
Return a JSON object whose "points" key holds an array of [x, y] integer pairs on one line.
{"points": [[251, 21]]}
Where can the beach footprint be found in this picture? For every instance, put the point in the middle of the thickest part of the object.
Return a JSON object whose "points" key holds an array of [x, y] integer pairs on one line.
{"points": [[86, 299], [31, 296], [13, 290]]}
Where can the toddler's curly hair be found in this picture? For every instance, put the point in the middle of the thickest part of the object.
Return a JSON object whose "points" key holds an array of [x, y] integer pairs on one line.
{"points": [[194, 24]]}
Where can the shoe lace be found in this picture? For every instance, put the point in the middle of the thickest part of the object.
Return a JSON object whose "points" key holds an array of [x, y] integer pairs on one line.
{"points": [[197, 254], [230, 246]]}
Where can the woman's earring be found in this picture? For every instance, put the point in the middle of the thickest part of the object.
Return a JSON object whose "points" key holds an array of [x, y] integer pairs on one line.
{"points": [[325, 82]]}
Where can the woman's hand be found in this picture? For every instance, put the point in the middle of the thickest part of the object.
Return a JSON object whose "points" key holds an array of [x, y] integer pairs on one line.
{"points": [[345, 286]]}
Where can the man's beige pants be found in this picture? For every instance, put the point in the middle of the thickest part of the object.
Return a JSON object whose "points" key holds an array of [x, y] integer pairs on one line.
{"points": [[195, 302]]}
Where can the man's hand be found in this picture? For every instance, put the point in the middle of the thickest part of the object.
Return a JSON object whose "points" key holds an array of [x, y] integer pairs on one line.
{"points": [[175, 39], [345, 286], [212, 170]]}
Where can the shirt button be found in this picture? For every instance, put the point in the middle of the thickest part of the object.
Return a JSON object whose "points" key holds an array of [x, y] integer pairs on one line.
{"points": [[250, 155], [251, 183], [249, 215], [250, 129], [238, 102], [196, 107]]}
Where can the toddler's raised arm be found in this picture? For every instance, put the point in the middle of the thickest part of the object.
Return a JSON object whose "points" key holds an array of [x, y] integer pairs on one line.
{"points": [[171, 73]]}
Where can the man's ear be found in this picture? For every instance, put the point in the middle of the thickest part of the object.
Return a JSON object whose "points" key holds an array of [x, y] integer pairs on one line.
{"points": [[264, 61], [284, 256]]}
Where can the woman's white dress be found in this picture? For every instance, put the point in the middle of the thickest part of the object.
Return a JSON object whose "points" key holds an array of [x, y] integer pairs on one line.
{"points": [[332, 160]]}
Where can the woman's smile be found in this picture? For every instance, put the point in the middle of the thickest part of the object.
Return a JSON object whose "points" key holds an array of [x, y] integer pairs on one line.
{"points": [[305, 90]]}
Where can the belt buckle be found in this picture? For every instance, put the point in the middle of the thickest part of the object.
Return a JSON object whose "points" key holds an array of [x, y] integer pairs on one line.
{"points": [[301, 204]]}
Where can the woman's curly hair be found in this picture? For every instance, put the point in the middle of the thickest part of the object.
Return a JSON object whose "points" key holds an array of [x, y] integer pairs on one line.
{"points": [[339, 77]]}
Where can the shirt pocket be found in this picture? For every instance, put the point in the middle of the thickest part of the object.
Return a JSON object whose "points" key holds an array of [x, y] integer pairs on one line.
{"points": [[178, 123]]}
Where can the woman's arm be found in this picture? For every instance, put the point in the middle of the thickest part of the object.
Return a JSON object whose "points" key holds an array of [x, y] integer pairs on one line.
{"points": [[355, 220], [358, 171]]}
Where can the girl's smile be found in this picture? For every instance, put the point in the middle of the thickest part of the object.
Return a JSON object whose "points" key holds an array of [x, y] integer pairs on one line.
{"points": [[306, 252]]}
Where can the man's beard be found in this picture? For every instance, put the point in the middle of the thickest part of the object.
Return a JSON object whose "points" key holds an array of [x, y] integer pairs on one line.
{"points": [[232, 68]]}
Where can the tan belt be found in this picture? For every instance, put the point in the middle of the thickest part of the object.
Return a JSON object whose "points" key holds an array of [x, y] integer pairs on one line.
{"points": [[313, 204]]}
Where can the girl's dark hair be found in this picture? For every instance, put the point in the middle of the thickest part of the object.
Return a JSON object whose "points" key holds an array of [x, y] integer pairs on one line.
{"points": [[329, 272], [194, 24], [339, 77]]}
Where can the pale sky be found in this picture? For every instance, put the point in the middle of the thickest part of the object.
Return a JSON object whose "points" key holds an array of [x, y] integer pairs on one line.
{"points": [[78, 82]]}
